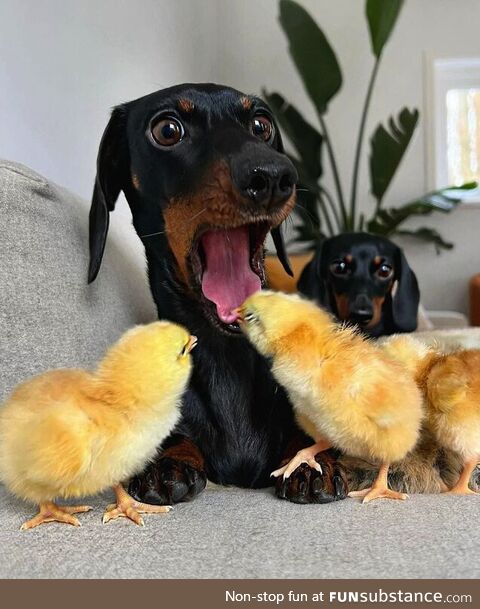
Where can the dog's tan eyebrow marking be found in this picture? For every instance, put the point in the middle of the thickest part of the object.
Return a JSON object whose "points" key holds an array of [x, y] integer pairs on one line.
{"points": [[246, 102], [377, 260], [185, 105]]}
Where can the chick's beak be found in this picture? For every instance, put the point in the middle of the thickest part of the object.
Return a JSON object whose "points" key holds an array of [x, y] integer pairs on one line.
{"points": [[191, 343], [239, 313]]}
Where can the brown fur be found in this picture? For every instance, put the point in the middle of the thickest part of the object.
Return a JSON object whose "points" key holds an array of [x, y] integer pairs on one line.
{"points": [[186, 452], [186, 105], [135, 181], [246, 102]]}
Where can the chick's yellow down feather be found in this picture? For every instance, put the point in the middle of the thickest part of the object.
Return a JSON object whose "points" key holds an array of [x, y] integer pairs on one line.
{"points": [[68, 433], [452, 391], [346, 391]]}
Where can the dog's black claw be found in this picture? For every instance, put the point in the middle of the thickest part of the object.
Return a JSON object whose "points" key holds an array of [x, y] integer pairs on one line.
{"points": [[167, 481], [307, 485]]}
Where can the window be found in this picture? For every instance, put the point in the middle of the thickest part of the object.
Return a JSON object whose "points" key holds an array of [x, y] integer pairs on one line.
{"points": [[453, 109]]}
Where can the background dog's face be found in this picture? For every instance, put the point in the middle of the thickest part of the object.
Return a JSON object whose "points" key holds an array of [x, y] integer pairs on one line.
{"points": [[366, 280], [203, 169]]}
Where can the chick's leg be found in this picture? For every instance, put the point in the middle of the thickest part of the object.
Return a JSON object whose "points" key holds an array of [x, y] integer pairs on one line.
{"points": [[462, 488], [50, 512], [306, 455], [380, 489], [127, 507]]}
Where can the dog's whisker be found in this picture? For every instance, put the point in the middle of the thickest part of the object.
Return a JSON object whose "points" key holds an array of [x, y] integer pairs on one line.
{"points": [[198, 214], [160, 232]]}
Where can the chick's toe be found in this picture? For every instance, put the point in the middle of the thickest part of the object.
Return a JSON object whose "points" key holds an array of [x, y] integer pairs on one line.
{"points": [[50, 512], [128, 507]]}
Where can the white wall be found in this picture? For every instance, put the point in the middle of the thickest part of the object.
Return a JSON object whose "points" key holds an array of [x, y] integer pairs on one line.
{"points": [[64, 63], [255, 55]]}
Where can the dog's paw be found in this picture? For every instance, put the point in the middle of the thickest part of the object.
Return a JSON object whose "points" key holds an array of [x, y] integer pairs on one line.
{"points": [[167, 481], [308, 485]]}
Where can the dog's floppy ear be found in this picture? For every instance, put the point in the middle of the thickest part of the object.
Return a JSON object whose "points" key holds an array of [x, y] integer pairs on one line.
{"points": [[406, 298], [313, 280], [111, 169], [276, 233]]}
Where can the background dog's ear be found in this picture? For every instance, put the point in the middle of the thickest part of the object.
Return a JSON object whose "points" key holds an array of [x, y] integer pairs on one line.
{"points": [[313, 280], [111, 170], [406, 298]]}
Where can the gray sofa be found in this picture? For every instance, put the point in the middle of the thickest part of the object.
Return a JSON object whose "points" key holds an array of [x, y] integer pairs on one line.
{"points": [[49, 317]]}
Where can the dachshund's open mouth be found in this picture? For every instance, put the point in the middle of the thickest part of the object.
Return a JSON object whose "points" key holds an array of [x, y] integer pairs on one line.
{"points": [[228, 266]]}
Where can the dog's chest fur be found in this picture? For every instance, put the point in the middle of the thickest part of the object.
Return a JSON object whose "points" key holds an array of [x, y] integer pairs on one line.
{"points": [[234, 410]]}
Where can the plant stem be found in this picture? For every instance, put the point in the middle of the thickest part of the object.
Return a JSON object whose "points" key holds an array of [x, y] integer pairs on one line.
{"points": [[331, 203], [328, 220], [336, 177], [363, 121]]}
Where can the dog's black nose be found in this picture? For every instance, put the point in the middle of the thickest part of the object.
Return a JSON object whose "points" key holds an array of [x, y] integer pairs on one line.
{"points": [[267, 180], [361, 311], [269, 185]]}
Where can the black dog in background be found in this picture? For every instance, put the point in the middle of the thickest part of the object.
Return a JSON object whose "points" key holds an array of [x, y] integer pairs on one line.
{"points": [[366, 280], [203, 170]]}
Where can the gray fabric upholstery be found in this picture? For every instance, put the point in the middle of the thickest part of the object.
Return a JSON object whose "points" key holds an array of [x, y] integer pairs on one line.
{"points": [[49, 317], [233, 533]]}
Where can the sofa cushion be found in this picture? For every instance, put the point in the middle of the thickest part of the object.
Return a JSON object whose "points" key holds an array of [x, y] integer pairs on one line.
{"points": [[49, 316]]}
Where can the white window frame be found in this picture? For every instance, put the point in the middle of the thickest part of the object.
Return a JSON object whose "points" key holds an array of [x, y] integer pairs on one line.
{"points": [[443, 74]]}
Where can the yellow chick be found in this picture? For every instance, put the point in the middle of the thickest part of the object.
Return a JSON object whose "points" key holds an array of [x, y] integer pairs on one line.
{"points": [[451, 384], [70, 433], [346, 392], [451, 388]]}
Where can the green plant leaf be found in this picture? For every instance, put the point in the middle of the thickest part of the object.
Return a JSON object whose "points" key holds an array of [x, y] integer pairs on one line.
{"points": [[312, 54], [428, 234], [306, 139], [387, 149], [386, 221], [381, 16]]}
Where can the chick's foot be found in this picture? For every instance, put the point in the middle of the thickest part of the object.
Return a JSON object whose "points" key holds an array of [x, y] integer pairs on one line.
{"points": [[306, 455], [128, 507], [50, 512], [462, 486], [380, 489]]}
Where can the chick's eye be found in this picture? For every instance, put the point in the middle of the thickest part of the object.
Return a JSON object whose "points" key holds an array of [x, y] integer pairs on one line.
{"points": [[340, 267], [384, 271], [167, 131], [262, 127]]}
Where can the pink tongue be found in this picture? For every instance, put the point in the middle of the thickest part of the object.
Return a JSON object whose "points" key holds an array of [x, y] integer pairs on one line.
{"points": [[228, 279]]}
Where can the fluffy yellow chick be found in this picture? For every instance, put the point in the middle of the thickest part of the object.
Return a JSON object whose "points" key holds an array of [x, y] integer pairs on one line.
{"points": [[346, 392], [451, 384], [451, 387], [70, 433]]}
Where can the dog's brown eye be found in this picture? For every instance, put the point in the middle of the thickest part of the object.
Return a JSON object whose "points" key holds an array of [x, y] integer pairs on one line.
{"points": [[384, 271], [167, 131], [339, 267], [262, 127]]}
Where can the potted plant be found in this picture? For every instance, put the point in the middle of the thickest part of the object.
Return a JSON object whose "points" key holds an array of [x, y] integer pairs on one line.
{"points": [[322, 213]]}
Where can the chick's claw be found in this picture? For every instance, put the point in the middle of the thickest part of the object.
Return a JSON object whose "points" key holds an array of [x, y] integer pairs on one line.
{"points": [[309, 485], [128, 507]]}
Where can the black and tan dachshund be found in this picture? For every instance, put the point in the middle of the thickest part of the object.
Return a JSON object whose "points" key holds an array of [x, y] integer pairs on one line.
{"points": [[366, 280], [204, 173]]}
